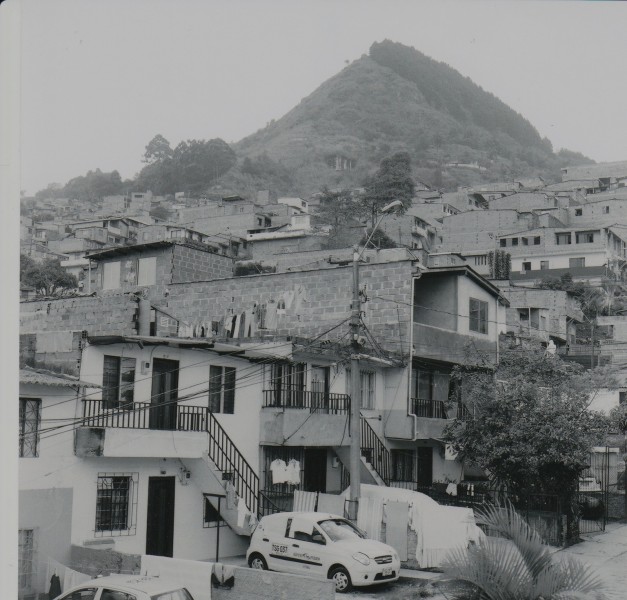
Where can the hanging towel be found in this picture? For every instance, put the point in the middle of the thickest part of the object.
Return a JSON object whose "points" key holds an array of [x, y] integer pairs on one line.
{"points": [[396, 520], [242, 512], [305, 501], [231, 495], [331, 503], [271, 315], [370, 516]]}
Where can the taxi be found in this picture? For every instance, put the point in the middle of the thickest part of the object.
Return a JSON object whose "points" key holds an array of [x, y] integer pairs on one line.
{"points": [[323, 545]]}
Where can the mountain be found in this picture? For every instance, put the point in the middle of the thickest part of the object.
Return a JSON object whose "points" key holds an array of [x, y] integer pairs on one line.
{"points": [[394, 99]]}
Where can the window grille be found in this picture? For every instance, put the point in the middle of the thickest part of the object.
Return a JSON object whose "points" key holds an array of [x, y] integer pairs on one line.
{"points": [[30, 420], [116, 504], [210, 516]]}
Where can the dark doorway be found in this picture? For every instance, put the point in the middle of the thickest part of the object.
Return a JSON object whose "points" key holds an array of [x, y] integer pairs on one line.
{"points": [[160, 521], [425, 466], [315, 475], [165, 382]]}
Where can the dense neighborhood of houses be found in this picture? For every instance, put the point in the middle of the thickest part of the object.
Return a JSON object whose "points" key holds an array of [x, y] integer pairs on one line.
{"points": [[202, 351]]}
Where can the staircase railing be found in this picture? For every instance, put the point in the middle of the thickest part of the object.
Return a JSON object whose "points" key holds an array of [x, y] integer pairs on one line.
{"points": [[375, 451], [227, 458]]}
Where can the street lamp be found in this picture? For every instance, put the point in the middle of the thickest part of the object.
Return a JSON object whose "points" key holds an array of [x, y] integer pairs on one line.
{"points": [[355, 325]]}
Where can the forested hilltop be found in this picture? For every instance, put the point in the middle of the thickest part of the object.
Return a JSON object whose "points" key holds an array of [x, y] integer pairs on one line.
{"points": [[393, 100]]}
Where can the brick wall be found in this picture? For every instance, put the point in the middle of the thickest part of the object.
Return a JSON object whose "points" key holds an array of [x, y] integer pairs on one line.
{"points": [[315, 300], [190, 264]]}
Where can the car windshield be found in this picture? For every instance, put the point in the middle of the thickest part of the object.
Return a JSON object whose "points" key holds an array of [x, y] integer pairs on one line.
{"points": [[339, 529]]}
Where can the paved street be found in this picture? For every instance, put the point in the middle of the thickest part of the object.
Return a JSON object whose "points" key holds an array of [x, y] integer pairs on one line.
{"points": [[607, 553]]}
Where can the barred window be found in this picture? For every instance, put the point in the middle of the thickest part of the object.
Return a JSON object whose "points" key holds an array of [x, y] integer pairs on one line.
{"points": [[30, 420], [118, 382], [116, 503], [222, 389], [25, 564], [211, 517], [402, 465]]}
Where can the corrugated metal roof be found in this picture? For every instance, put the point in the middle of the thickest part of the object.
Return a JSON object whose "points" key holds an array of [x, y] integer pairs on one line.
{"points": [[45, 377]]}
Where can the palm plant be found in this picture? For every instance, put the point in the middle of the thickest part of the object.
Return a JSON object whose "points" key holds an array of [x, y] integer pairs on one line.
{"points": [[513, 563]]}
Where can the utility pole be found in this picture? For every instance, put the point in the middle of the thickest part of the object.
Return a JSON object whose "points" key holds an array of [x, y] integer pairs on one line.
{"points": [[355, 428], [355, 329]]}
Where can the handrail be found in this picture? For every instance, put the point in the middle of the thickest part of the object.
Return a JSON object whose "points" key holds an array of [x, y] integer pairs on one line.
{"points": [[429, 408], [375, 451], [322, 402]]}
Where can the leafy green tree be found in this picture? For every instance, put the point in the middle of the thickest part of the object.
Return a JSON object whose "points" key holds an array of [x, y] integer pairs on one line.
{"points": [[513, 563], [157, 150], [392, 181], [49, 278], [161, 213], [528, 423], [336, 207]]}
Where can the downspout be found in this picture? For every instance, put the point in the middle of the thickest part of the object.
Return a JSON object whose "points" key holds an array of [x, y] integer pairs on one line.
{"points": [[411, 358]]}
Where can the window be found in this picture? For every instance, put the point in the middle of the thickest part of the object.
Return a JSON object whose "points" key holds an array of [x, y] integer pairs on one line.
{"points": [[402, 465], [503, 242], [25, 563], [117, 595], [478, 312], [368, 380], [118, 382], [622, 397], [578, 212], [176, 233], [481, 260], [526, 266], [30, 419], [514, 241], [576, 262], [210, 516], [116, 503], [544, 264], [525, 241], [606, 210], [111, 275], [536, 240], [562, 239], [222, 389], [147, 271], [584, 237]]}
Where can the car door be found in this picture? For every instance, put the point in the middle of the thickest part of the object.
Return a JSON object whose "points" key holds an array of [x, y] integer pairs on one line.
{"points": [[273, 544], [305, 555]]}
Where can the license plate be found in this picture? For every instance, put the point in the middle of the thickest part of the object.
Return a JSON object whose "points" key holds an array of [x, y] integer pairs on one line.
{"points": [[387, 572]]}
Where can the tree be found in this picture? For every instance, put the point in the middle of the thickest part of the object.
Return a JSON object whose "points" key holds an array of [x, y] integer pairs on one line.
{"points": [[160, 212], [530, 428], [500, 264], [49, 278], [392, 181], [523, 568], [157, 150], [336, 207]]}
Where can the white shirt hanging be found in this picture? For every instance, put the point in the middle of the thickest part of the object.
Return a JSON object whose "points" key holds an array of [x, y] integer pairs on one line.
{"points": [[279, 471], [293, 472]]}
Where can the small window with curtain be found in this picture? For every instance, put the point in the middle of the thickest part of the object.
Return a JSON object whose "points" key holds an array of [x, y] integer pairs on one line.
{"points": [[118, 382], [478, 315], [222, 389]]}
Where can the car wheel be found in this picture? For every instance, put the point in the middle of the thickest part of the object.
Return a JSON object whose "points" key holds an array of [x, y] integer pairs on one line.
{"points": [[256, 561], [341, 579]]}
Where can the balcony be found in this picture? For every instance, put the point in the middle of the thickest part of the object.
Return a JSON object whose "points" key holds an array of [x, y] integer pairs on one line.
{"points": [[430, 409], [449, 346], [141, 430], [321, 402], [302, 418], [427, 420]]}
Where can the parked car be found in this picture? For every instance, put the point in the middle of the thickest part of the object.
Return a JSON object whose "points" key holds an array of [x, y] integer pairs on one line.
{"points": [[126, 587], [321, 544]]}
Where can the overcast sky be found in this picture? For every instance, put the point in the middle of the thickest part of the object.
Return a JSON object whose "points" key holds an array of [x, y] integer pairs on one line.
{"points": [[100, 79]]}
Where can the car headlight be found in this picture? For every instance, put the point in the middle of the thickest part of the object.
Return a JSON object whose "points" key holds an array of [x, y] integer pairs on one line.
{"points": [[362, 558]]}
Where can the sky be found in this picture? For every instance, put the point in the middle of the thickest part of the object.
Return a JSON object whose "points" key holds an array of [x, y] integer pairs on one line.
{"points": [[100, 79]]}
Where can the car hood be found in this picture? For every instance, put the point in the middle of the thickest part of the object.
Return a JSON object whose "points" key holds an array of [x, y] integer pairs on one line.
{"points": [[370, 548]]}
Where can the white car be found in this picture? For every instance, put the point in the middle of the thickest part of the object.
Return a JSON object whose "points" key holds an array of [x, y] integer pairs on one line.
{"points": [[126, 587], [321, 544]]}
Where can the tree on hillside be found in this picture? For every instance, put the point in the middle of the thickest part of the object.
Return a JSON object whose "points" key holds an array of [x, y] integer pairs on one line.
{"points": [[157, 150], [49, 278], [392, 181], [528, 425], [336, 207]]}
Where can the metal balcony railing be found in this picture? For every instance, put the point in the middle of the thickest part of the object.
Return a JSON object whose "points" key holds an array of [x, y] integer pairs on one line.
{"points": [[430, 409], [321, 402]]}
